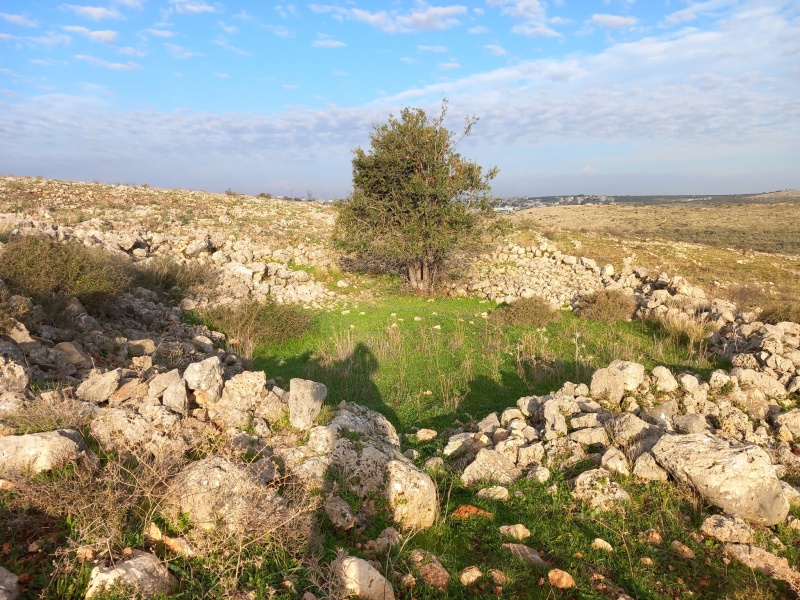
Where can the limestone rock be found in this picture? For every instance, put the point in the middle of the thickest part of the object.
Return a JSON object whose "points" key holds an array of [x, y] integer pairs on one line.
{"points": [[339, 513], [601, 544], [361, 579], [525, 553], [647, 469], [539, 473], [430, 568], [596, 489], [771, 387], [205, 380], [738, 479], [161, 382], [664, 379], [560, 579], [490, 466], [37, 452], [176, 398], [518, 531], [13, 376], [239, 396], [411, 493], [765, 562], [9, 590], [727, 528], [143, 571], [614, 460], [305, 402], [470, 575], [98, 388], [632, 373], [494, 492]]}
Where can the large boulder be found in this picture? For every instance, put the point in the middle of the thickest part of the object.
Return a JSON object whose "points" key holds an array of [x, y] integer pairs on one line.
{"points": [[771, 387], [240, 394], [142, 571], [37, 452], [362, 448], [738, 479], [130, 434], [216, 491]]}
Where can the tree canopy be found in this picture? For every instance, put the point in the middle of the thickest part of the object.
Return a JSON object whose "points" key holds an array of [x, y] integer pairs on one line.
{"points": [[415, 199]]}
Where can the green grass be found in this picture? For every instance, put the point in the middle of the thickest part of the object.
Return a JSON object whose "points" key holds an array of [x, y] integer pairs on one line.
{"points": [[455, 363]]}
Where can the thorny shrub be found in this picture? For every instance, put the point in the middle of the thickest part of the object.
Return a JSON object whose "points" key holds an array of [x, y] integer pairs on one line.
{"points": [[608, 306], [527, 312]]}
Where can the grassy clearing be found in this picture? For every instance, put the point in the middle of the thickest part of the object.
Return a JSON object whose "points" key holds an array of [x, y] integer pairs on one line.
{"points": [[425, 363]]}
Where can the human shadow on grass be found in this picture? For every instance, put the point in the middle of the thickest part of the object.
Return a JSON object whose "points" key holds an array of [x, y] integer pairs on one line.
{"points": [[350, 378]]}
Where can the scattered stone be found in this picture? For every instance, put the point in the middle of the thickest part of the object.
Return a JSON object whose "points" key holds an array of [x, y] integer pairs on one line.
{"points": [[518, 531], [143, 571], [601, 544], [98, 388], [647, 469], [539, 473], [359, 578], [25, 455], [682, 550], [498, 577], [205, 380], [727, 528], [490, 466], [653, 537], [339, 513], [9, 590], [525, 553], [467, 511], [425, 435], [596, 489], [560, 579], [430, 568], [13, 376], [470, 575], [664, 379], [614, 460], [495, 492], [305, 402]]}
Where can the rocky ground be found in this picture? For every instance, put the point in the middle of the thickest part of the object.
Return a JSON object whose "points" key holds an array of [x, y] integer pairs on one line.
{"points": [[143, 383]]}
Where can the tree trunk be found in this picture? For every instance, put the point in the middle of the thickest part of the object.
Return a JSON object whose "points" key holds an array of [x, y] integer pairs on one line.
{"points": [[422, 275]]}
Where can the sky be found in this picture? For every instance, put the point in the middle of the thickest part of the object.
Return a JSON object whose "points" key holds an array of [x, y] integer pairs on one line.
{"points": [[596, 97]]}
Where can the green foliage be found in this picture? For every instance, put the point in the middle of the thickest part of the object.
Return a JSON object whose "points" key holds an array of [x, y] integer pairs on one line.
{"points": [[415, 198], [527, 312], [608, 306], [252, 323], [48, 272]]}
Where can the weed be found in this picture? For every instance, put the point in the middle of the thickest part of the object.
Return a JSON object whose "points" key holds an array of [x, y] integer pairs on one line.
{"points": [[251, 323], [527, 312], [784, 310], [608, 306], [46, 270]]}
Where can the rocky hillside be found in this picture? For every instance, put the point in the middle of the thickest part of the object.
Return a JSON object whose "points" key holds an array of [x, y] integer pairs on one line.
{"points": [[193, 458]]}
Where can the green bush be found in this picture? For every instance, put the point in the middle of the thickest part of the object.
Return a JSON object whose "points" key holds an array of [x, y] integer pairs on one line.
{"points": [[250, 324], [171, 280], [777, 311], [608, 306], [527, 312], [48, 271]]}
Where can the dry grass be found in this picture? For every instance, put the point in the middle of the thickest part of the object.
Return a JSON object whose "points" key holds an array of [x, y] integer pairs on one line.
{"points": [[776, 311], [608, 306], [54, 409], [527, 312], [170, 280]]}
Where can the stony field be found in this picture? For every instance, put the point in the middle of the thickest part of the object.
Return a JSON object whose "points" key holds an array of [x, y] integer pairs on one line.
{"points": [[197, 401]]}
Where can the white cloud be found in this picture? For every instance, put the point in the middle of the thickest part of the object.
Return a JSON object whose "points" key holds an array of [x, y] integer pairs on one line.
{"points": [[99, 62], [424, 18], [222, 42], [423, 48], [105, 36], [228, 28], [324, 41], [129, 3], [478, 30], [613, 21], [192, 7], [696, 10], [131, 51], [589, 170], [448, 66], [95, 13], [162, 33], [495, 49], [181, 52], [278, 30], [18, 20], [532, 15], [220, 75]]}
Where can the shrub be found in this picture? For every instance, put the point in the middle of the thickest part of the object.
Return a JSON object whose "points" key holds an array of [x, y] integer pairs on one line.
{"points": [[527, 312], [746, 297], [784, 310], [252, 323], [49, 271], [171, 280], [608, 306]]}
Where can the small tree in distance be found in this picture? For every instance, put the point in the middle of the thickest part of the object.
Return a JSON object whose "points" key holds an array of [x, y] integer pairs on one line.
{"points": [[415, 199]]}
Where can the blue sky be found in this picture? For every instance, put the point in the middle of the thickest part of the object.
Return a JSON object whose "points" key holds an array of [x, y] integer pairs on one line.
{"points": [[603, 97]]}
